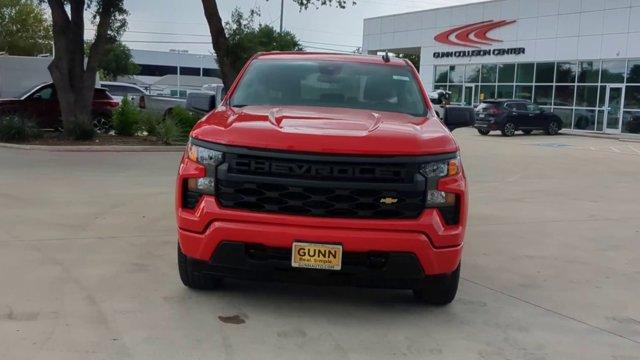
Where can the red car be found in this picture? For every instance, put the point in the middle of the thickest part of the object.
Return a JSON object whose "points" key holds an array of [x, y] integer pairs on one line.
{"points": [[41, 104], [323, 168]]}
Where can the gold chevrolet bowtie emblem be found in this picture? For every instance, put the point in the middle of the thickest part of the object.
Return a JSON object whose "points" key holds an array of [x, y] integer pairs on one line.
{"points": [[388, 200]]}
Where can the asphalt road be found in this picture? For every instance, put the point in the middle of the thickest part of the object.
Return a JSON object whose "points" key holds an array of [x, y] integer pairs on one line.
{"points": [[551, 268]]}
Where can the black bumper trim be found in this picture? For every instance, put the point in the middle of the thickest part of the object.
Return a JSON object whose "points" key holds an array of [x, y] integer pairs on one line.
{"points": [[370, 269]]}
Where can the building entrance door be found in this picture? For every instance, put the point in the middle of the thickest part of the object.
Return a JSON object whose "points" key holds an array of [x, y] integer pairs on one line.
{"points": [[468, 95], [613, 109]]}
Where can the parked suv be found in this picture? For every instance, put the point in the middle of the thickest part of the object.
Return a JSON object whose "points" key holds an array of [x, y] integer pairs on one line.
{"points": [[41, 104], [509, 116], [325, 168]]}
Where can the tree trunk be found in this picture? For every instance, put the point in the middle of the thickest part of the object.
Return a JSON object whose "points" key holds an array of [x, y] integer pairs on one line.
{"points": [[73, 80], [219, 40]]}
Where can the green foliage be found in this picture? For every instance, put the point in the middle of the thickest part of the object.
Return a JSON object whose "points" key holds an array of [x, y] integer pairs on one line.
{"points": [[25, 28], [183, 119], [117, 61], [168, 132], [413, 58], [246, 38], [149, 122], [126, 119], [304, 4], [16, 128]]}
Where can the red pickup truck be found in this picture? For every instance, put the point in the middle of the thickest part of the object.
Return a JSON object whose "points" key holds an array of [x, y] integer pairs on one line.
{"points": [[323, 168]]}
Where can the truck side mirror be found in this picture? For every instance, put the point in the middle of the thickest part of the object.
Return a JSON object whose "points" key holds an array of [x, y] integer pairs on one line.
{"points": [[201, 101], [458, 116]]}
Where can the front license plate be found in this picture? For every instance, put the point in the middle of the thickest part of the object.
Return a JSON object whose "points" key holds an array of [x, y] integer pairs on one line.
{"points": [[481, 116], [316, 256]]}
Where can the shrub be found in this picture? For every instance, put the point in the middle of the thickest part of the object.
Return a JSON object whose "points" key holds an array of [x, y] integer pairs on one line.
{"points": [[149, 122], [16, 128], [168, 131], [126, 119], [183, 119]]}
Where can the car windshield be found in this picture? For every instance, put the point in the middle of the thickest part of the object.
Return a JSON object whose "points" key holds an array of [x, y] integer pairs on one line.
{"points": [[28, 91], [330, 84]]}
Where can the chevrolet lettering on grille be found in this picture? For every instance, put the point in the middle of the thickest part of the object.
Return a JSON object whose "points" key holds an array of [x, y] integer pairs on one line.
{"points": [[305, 169]]}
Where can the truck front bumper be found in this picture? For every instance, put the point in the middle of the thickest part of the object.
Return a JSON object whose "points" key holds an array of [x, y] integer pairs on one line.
{"points": [[234, 243]]}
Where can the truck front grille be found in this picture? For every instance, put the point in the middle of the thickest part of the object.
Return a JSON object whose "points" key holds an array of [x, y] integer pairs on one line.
{"points": [[320, 185], [320, 200]]}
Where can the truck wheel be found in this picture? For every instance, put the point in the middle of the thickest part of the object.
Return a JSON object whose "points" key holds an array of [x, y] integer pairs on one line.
{"points": [[484, 131], [527, 132], [553, 128], [438, 289], [192, 278], [509, 129], [102, 124]]}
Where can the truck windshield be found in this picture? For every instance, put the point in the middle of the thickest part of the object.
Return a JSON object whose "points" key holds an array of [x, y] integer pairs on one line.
{"points": [[330, 84]]}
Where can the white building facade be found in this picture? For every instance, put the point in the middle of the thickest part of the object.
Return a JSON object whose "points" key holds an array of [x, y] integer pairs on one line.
{"points": [[577, 58]]}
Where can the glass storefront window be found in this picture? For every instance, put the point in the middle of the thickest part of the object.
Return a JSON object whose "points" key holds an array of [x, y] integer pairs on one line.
{"points": [[544, 73], [524, 73], [566, 115], [633, 72], [588, 72], [564, 95], [440, 87], [456, 93], [603, 94], [505, 92], [613, 71], [488, 74], [542, 94], [441, 74], [472, 73], [599, 120], [631, 122], [487, 92], [524, 92], [506, 73], [586, 95], [632, 97], [456, 74], [584, 119], [565, 73]]}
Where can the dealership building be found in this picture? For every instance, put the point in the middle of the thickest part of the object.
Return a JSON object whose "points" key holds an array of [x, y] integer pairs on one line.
{"points": [[577, 58]]}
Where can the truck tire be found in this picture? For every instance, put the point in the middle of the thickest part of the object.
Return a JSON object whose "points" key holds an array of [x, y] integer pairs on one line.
{"points": [[192, 278], [438, 289]]}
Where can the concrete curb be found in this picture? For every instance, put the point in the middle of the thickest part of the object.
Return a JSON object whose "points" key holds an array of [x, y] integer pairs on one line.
{"points": [[618, 137], [98, 148]]}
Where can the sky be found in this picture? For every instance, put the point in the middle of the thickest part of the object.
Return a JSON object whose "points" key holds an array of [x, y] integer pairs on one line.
{"points": [[154, 23]]}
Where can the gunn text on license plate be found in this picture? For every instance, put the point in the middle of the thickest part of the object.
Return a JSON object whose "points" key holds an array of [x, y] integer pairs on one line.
{"points": [[316, 256]]}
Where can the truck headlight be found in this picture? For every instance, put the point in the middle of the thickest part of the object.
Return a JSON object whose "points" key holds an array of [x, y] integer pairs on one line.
{"points": [[434, 171], [210, 159]]}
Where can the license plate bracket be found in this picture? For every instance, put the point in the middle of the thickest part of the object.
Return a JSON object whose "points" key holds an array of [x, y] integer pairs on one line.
{"points": [[316, 256]]}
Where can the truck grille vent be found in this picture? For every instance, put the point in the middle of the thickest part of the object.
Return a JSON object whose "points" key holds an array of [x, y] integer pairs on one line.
{"points": [[320, 201]]}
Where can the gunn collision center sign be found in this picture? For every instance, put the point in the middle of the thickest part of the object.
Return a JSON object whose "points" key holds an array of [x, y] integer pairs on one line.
{"points": [[473, 36]]}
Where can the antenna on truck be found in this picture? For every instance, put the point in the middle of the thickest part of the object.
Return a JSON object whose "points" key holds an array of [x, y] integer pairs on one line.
{"points": [[385, 56]]}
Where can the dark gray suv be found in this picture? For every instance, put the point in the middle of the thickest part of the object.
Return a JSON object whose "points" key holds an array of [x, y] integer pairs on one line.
{"points": [[509, 116]]}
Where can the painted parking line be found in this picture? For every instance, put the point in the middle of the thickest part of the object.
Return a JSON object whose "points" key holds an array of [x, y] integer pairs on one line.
{"points": [[614, 149], [634, 149]]}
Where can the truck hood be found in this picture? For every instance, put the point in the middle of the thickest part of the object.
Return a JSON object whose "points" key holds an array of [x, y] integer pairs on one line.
{"points": [[325, 130]]}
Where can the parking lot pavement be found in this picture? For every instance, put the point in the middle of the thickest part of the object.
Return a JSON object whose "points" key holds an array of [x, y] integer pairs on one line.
{"points": [[551, 268]]}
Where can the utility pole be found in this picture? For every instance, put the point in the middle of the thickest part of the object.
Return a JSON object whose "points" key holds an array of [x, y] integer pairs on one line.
{"points": [[281, 13]]}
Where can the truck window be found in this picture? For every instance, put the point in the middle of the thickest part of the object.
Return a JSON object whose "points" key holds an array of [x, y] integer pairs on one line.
{"points": [[330, 84]]}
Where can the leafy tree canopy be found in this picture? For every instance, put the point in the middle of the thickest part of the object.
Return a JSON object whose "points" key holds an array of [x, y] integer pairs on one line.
{"points": [[24, 28], [246, 38], [117, 61]]}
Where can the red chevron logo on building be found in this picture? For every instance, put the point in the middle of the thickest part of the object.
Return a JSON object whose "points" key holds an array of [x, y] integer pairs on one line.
{"points": [[472, 35]]}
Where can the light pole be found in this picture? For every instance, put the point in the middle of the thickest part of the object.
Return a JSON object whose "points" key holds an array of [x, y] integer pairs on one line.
{"points": [[178, 52], [281, 13], [201, 57]]}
